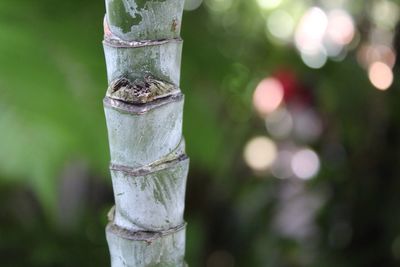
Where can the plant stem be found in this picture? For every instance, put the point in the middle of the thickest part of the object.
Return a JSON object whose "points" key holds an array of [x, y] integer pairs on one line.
{"points": [[144, 110]]}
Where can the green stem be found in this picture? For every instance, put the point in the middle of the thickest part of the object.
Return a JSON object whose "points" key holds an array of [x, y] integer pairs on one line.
{"points": [[144, 110]]}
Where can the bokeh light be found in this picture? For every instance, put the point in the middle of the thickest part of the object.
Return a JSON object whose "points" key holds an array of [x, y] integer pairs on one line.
{"points": [[281, 25], [311, 30], [281, 168], [307, 124], [385, 13], [279, 123], [259, 153], [368, 54], [269, 4], [315, 59], [296, 212], [268, 96], [219, 5], [192, 4], [380, 75], [305, 164], [320, 35], [341, 27]]}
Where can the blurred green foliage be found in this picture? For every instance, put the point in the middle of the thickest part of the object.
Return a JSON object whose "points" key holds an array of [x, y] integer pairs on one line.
{"points": [[52, 80]]}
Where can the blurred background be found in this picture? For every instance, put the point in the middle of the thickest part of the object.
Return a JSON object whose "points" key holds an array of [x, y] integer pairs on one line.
{"points": [[292, 123]]}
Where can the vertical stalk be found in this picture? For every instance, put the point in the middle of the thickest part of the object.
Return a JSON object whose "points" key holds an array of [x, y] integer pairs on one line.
{"points": [[144, 109]]}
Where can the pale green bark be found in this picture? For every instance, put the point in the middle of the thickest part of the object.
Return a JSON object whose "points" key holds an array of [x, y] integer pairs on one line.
{"points": [[143, 109], [147, 249], [160, 59], [145, 19]]}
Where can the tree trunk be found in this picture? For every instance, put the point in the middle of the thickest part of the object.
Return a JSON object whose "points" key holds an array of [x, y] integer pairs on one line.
{"points": [[144, 108]]}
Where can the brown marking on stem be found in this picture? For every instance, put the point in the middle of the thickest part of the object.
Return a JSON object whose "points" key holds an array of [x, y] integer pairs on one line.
{"points": [[174, 25]]}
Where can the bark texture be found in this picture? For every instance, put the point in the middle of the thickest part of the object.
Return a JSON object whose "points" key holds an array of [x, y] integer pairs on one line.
{"points": [[144, 109]]}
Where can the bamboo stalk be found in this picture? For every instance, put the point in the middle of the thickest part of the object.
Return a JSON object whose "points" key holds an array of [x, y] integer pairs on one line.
{"points": [[144, 108]]}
